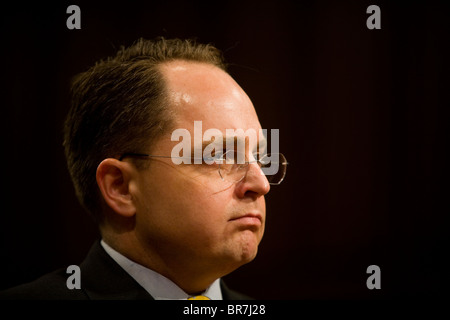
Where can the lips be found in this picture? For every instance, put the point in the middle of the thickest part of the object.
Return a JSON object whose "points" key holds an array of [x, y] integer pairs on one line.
{"points": [[248, 219]]}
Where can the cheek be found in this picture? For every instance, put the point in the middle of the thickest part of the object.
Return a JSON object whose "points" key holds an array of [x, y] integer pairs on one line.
{"points": [[182, 208]]}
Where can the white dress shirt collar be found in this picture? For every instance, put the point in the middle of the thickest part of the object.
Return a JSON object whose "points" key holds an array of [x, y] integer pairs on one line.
{"points": [[158, 286]]}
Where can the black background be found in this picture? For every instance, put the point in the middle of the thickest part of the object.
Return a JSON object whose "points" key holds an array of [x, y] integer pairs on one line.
{"points": [[363, 117]]}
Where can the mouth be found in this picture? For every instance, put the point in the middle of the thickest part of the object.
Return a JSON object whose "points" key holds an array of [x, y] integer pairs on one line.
{"points": [[249, 219]]}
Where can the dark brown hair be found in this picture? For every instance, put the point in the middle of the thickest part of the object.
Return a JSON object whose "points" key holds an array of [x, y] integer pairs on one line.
{"points": [[118, 106]]}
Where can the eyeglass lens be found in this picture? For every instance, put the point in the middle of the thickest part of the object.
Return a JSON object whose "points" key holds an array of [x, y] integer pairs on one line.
{"points": [[231, 169]]}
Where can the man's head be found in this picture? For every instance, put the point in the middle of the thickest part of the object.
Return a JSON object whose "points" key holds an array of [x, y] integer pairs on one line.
{"points": [[119, 106], [183, 221]]}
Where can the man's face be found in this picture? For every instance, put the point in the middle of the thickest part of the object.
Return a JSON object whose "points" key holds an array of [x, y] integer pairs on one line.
{"points": [[187, 212]]}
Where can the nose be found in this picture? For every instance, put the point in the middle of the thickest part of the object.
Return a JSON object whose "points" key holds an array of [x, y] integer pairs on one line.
{"points": [[254, 184]]}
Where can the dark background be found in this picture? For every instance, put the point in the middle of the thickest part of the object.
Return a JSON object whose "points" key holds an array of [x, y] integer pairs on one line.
{"points": [[362, 117]]}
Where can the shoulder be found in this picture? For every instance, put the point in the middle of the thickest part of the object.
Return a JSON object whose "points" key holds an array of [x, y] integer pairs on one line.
{"points": [[51, 286], [101, 278]]}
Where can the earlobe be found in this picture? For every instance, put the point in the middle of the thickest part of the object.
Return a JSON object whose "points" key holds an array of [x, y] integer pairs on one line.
{"points": [[113, 178]]}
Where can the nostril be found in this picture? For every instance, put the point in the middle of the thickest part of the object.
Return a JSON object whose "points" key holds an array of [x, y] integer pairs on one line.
{"points": [[252, 194]]}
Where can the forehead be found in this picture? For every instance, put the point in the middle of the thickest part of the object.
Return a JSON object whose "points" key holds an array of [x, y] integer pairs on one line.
{"points": [[203, 92]]}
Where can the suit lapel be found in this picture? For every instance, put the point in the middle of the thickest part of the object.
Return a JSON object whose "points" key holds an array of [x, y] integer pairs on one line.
{"points": [[103, 279]]}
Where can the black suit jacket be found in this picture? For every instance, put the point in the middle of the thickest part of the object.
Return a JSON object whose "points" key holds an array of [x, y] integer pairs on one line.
{"points": [[101, 279]]}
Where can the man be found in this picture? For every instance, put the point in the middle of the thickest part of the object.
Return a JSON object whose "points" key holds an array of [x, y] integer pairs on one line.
{"points": [[168, 231]]}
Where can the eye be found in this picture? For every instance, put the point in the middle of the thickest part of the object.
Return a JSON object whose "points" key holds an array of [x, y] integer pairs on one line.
{"points": [[233, 157], [217, 157], [219, 154]]}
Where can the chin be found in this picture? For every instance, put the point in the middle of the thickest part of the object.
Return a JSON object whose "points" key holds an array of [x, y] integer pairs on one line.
{"points": [[248, 247], [238, 254]]}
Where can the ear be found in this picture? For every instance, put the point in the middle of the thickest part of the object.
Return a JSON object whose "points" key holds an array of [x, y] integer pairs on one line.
{"points": [[113, 178]]}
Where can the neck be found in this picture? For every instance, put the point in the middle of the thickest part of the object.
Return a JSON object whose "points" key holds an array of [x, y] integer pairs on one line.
{"points": [[192, 277]]}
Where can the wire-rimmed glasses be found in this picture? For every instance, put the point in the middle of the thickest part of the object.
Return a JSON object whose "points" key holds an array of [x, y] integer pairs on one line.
{"points": [[233, 166]]}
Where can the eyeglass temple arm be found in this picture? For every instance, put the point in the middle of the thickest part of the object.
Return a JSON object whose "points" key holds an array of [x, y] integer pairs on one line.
{"points": [[125, 155]]}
